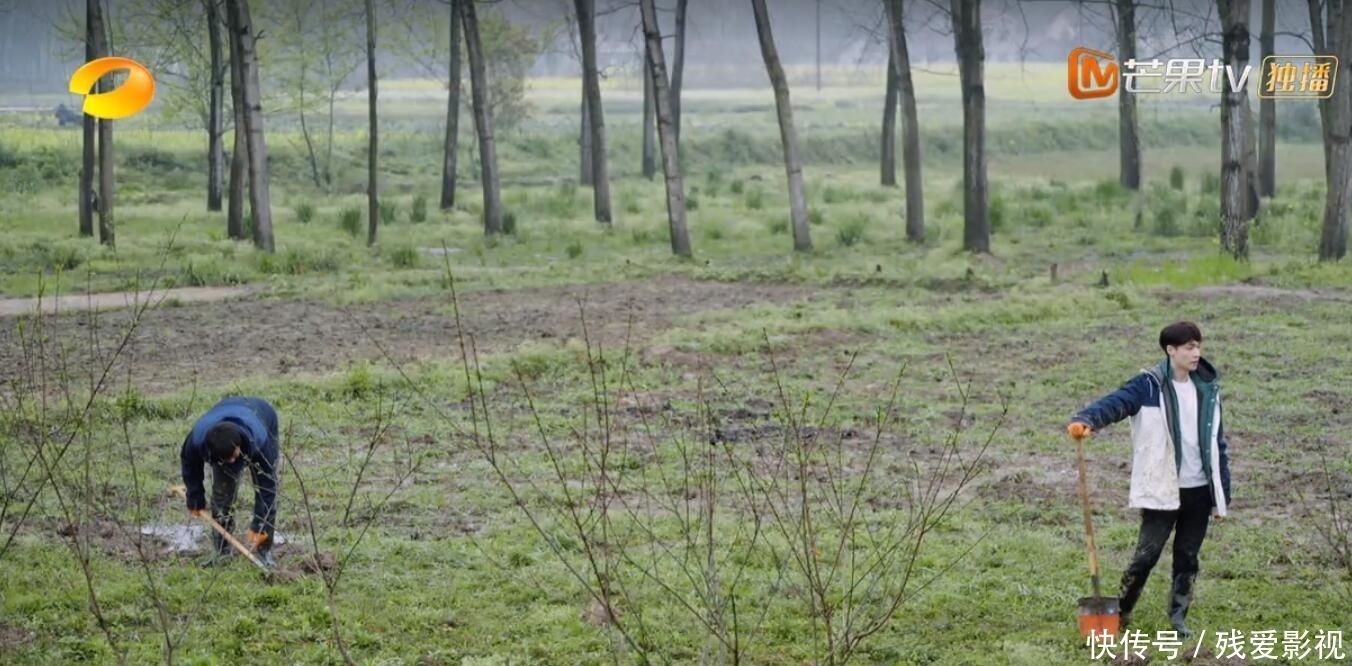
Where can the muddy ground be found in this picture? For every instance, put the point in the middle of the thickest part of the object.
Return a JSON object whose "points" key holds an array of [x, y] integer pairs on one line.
{"points": [[193, 340], [211, 343]]}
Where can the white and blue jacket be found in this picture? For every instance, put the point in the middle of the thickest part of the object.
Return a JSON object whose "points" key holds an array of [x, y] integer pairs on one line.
{"points": [[1151, 403]]}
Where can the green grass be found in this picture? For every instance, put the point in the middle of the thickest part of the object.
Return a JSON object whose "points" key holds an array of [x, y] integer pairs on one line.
{"points": [[451, 571]]}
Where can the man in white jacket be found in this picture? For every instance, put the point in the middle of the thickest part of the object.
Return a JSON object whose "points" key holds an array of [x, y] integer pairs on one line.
{"points": [[1180, 474]]}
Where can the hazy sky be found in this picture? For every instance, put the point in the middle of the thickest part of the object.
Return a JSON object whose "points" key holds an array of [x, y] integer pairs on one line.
{"points": [[722, 32]]}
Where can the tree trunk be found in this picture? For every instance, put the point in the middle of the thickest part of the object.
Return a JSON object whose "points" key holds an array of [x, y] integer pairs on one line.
{"points": [[373, 131], [888, 166], [584, 143], [1234, 143], [483, 120], [910, 126], [1267, 109], [451, 146], [666, 130], [596, 121], [90, 137], [976, 234], [107, 233], [1318, 36], [311, 156], [1337, 117], [239, 154], [793, 164], [260, 201], [1253, 198], [649, 126], [678, 68], [1129, 143], [215, 119]]}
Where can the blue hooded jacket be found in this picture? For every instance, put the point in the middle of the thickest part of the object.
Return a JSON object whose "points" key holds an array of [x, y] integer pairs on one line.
{"points": [[257, 419]]}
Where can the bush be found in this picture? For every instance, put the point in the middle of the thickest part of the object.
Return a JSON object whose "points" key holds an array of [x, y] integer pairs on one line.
{"points": [[305, 212], [755, 198], [405, 256], [350, 221], [1176, 177], [1166, 223], [389, 212], [852, 231], [418, 213]]}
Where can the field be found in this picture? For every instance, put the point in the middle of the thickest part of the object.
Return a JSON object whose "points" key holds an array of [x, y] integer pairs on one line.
{"points": [[854, 455]]}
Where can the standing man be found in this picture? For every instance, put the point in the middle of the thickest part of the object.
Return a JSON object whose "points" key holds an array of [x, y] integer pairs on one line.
{"points": [[237, 433], [1180, 471]]}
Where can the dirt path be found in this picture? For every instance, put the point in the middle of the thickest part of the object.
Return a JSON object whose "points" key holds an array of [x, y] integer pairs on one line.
{"points": [[1274, 293], [212, 343], [10, 307]]}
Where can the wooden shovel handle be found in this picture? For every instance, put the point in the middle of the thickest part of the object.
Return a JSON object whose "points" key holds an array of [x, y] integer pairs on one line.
{"points": [[183, 492], [1088, 520]]}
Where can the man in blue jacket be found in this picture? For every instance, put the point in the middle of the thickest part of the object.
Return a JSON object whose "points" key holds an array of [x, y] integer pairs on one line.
{"points": [[236, 433], [1180, 473]]}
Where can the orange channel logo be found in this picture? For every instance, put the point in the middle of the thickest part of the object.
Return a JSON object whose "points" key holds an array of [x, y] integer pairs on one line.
{"points": [[1091, 74], [124, 101]]}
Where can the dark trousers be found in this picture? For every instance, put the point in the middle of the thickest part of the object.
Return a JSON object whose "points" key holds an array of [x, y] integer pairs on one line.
{"points": [[1188, 525], [224, 490]]}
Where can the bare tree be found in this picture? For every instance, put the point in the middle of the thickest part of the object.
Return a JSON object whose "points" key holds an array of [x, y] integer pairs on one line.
{"points": [[372, 129], [245, 58], [483, 120], [90, 125], [99, 35], [1267, 109], [313, 57], [678, 67], [216, 110], [451, 146], [649, 140], [239, 155], [595, 115], [584, 143], [793, 162], [1319, 34], [666, 129], [888, 166], [900, 57], [1235, 142], [1333, 37], [1129, 143], [966, 15]]}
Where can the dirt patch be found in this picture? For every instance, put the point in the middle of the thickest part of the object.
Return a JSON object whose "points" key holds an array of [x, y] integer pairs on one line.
{"points": [[10, 307], [1260, 291], [1206, 657], [12, 636], [214, 343], [121, 542]]}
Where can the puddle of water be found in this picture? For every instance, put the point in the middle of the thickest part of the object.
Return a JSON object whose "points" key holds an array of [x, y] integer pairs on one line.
{"points": [[188, 538], [176, 538]]}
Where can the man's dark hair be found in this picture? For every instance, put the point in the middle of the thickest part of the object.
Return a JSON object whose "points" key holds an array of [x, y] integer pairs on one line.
{"points": [[222, 440], [1178, 334]]}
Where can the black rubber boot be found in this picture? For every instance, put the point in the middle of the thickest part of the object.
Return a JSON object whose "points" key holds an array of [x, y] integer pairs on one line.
{"points": [[221, 553], [264, 553], [1180, 598], [1128, 594]]}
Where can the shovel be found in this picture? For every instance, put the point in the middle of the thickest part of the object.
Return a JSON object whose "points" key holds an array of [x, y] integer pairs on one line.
{"points": [[225, 534], [1098, 614]]}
